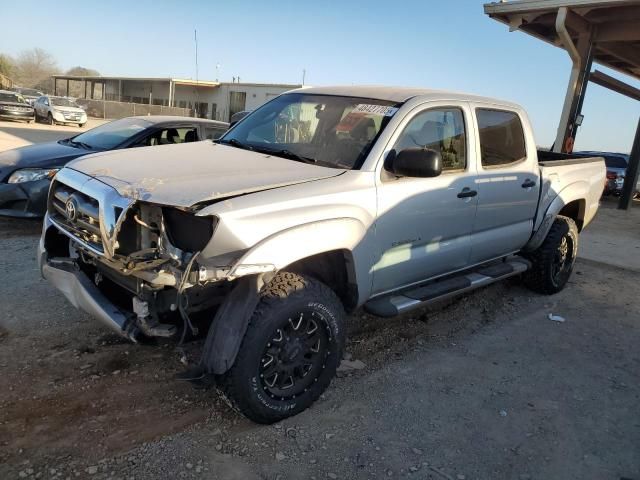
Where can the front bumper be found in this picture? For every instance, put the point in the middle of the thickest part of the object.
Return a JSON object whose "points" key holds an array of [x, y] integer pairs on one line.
{"points": [[83, 294], [9, 115], [61, 118], [24, 200]]}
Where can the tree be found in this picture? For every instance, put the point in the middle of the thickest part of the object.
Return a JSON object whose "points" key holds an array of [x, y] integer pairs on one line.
{"points": [[6, 65], [76, 89], [33, 68]]}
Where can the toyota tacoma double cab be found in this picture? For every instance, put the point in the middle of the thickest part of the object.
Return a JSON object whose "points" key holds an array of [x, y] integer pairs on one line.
{"points": [[319, 202]]}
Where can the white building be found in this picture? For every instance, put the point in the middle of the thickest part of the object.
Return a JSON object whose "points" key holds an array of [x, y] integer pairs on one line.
{"points": [[214, 100]]}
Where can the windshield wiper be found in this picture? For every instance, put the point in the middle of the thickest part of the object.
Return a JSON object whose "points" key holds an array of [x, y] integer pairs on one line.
{"points": [[81, 144], [288, 154], [236, 143]]}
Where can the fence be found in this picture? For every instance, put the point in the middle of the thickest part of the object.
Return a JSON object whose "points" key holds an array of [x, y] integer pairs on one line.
{"points": [[113, 110], [5, 82]]}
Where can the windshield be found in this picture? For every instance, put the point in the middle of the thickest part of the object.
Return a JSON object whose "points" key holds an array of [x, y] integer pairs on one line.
{"points": [[11, 97], [112, 134], [30, 92], [328, 130], [63, 102]]}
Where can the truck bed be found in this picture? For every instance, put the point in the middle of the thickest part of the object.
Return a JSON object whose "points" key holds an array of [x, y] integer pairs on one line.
{"points": [[562, 174]]}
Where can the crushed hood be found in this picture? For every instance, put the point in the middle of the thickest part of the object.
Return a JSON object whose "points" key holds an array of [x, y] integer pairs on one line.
{"points": [[187, 174]]}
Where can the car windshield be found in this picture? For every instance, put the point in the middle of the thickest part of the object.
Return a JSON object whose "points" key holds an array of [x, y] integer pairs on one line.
{"points": [[63, 102], [333, 131], [31, 92], [615, 162], [11, 97], [112, 134]]}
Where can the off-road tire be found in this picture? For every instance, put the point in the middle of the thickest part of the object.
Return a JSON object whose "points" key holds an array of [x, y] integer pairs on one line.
{"points": [[284, 298], [540, 278]]}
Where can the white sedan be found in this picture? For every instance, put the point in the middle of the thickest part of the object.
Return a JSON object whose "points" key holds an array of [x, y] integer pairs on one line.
{"points": [[59, 110]]}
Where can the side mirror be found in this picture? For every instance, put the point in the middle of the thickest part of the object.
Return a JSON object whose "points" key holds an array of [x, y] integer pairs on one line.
{"points": [[417, 162]]}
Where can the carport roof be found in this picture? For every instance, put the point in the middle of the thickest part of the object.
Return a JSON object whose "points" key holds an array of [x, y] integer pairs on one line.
{"points": [[177, 81], [617, 26]]}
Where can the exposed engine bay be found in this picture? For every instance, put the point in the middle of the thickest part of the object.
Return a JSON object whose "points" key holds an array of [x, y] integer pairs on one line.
{"points": [[150, 266]]}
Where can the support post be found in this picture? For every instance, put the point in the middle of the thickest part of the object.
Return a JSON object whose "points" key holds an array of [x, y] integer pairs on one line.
{"points": [[631, 177], [67, 93], [581, 57], [120, 90], [85, 88], [93, 89], [55, 86]]}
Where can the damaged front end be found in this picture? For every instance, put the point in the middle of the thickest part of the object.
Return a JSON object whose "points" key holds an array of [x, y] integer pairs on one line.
{"points": [[128, 262]]}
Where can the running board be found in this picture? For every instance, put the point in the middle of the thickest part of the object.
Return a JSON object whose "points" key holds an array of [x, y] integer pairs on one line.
{"points": [[397, 303]]}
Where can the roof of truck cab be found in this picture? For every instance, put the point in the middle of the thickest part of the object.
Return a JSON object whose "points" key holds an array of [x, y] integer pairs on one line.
{"points": [[398, 94]]}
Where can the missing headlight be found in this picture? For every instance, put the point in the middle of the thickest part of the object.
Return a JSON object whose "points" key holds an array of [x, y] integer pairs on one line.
{"points": [[187, 231]]}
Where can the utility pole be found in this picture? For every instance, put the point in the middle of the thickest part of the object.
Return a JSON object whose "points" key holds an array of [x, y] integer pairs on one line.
{"points": [[195, 38], [304, 74]]}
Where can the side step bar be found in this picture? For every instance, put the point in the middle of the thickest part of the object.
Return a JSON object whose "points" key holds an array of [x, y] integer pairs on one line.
{"points": [[397, 303]]}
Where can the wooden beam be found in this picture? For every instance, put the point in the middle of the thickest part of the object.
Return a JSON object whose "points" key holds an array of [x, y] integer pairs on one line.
{"points": [[618, 32], [614, 84]]}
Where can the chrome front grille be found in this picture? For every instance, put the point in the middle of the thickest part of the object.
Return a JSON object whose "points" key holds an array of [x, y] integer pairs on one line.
{"points": [[77, 212], [87, 210]]}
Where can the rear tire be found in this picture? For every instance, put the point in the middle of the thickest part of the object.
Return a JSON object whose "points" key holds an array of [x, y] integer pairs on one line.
{"points": [[553, 260], [289, 355]]}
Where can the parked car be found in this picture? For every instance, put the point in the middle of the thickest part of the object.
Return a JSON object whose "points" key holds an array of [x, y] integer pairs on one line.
{"points": [[29, 94], [13, 106], [54, 110], [26, 172], [236, 117], [616, 164], [318, 202]]}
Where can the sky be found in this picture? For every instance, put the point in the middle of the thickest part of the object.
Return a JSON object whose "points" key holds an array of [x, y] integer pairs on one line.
{"points": [[449, 45]]}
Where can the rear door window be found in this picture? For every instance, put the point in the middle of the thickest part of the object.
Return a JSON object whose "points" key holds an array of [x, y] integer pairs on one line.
{"points": [[501, 137]]}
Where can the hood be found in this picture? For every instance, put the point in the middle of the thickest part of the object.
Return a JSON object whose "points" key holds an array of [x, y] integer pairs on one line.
{"points": [[41, 155], [187, 174]]}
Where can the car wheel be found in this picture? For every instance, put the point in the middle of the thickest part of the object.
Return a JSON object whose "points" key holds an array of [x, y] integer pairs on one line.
{"points": [[81, 125], [50, 119], [552, 262], [290, 352]]}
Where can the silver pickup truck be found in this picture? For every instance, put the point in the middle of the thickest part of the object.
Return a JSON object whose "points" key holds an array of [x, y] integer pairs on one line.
{"points": [[319, 202]]}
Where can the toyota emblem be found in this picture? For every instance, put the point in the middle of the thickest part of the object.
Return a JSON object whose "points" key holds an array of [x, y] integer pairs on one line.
{"points": [[71, 209]]}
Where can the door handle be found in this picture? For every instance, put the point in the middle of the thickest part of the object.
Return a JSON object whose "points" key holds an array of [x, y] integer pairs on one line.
{"points": [[467, 193], [528, 183]]}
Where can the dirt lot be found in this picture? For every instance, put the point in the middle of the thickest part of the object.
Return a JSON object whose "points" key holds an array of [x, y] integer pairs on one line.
{"points": [[485, 387], [19, 134]]}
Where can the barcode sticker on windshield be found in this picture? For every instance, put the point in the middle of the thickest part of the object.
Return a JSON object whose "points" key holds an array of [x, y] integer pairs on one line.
{"points": [[383, 110]]}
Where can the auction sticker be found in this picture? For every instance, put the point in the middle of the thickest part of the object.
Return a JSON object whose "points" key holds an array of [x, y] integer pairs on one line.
{"points": [[383, 110]]}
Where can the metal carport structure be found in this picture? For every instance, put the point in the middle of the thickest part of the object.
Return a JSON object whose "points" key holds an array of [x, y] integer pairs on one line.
{"points": [[602, 31]]}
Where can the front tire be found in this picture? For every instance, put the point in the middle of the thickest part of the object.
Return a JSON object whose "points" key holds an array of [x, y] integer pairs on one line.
{"points": [[290, 352], [553, 261], [50, 119]]}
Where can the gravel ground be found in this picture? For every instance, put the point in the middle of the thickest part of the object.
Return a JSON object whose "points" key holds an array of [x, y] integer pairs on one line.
{"points": [[484, 387], [19, 134]]}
